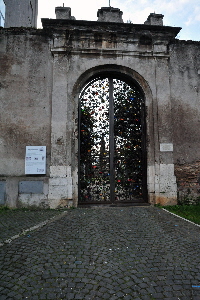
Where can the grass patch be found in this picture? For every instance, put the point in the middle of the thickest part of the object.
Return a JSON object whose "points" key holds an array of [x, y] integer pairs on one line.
{"points": [[3, 208], [189, 212]]}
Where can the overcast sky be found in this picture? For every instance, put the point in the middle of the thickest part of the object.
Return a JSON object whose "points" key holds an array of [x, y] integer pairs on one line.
{"points": [[180, 13]]}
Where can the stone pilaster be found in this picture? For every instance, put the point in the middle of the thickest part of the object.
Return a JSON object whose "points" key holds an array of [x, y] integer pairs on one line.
{"points": [[165, 180], [60, 182]]}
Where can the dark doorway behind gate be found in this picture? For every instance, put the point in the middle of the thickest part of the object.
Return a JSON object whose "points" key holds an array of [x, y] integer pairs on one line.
{"points": [[112, 152]]}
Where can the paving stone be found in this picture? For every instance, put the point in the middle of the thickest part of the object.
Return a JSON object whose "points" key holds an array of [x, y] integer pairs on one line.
{"points": [[101, 253], [14, 222], [4, 297], [128, 297]]}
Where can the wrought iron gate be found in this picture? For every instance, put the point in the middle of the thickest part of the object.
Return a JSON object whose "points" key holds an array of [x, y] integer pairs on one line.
{"points": [[111, 143]]}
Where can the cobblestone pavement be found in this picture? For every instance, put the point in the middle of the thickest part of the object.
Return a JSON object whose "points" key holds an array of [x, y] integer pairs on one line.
{"points": [[104, 253], [15, 222]]}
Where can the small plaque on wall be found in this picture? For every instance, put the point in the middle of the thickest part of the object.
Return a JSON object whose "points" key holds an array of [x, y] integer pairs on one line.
{"points": [[35, 160], [166, 147]]}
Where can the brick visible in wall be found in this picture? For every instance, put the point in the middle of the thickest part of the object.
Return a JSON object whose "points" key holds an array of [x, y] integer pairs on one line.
{"points": [[188, 178]]}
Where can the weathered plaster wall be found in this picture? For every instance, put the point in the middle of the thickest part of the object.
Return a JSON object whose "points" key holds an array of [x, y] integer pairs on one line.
{"points": [[41, 75], [25, 98], [185, 93]]}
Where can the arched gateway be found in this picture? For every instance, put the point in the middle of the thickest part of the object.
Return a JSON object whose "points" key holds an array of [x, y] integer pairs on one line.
{"points": [[111, 136], [112, 148], [99, 97]]}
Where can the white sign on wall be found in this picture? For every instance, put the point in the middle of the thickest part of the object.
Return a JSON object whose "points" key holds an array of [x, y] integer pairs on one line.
{"points": [[35, 161], [166, 147]]}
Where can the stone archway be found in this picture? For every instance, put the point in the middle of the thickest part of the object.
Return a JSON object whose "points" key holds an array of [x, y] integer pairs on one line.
{"points": [[64, 175], [133, 78]]}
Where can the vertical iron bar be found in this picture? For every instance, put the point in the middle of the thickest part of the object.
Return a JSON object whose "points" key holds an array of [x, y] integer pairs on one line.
{"points": [[144, 154], [111, 141], [79, 146]]}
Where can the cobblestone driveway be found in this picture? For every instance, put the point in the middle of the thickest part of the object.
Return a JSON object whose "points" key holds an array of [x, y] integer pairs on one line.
{"points": [[104, 253]]}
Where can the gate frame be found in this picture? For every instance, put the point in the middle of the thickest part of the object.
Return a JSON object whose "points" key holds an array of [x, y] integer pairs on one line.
{"points": [[63, 181], [130, 76]]}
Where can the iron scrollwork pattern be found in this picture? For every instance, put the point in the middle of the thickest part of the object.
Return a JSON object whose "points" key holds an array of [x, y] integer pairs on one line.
{"points": [[94, 172]]}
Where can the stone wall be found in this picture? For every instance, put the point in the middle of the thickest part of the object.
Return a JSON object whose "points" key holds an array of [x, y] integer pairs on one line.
{"points": [[41, 75], [185, 91], [25, 106], [188, 179]]}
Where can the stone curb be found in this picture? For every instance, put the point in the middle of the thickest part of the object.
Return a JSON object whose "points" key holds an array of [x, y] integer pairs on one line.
{"points": [[180, 217], [40, 225]]}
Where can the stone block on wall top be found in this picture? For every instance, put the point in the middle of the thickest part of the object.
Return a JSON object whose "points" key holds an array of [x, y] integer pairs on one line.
{"points": [[63, 13], [110, 14]]}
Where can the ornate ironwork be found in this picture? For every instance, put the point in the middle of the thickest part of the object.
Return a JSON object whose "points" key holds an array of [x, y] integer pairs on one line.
{"points": [[128, 131], [111, 142]]}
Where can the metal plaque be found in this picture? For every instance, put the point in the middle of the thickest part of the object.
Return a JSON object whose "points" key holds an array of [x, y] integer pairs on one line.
{"points": [[31, 187], [2, 192]]}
